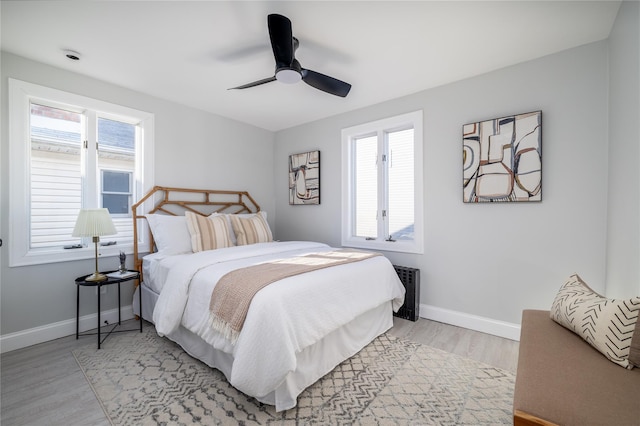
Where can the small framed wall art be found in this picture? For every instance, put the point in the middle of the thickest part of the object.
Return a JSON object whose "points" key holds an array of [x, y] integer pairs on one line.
{"points": [[304, 178], [502, 159]]}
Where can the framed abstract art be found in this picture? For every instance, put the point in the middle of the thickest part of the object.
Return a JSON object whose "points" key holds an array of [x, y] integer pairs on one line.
{"points": [[304, 178], [502, 159]]}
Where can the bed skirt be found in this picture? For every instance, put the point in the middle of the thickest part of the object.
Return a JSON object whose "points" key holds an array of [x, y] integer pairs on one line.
{"points": [[312, 363]]}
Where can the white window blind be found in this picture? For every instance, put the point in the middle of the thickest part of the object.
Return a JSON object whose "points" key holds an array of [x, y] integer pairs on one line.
{"points": [[56, 178], [366, 186], [401, 185]]}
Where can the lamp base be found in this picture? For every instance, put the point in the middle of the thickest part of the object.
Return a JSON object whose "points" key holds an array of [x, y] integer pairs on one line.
{"points": [[96, 276]]}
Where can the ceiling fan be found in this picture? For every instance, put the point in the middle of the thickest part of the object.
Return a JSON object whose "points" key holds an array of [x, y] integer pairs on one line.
{"points": [[288, 69]]}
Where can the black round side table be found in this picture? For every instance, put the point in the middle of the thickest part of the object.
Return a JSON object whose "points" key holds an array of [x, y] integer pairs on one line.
{"points": [[113, 277]]}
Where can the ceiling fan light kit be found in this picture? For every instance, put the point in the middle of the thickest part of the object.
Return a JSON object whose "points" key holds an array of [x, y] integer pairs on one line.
{"points": [[288, 76], [288, 69]]}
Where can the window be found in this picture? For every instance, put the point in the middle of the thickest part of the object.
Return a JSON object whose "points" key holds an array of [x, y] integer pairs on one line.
{"points": [[116, 192], [70, 152], [382, 181]]}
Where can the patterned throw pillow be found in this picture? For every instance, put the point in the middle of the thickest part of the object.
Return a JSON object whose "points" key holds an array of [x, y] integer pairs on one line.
{"points": [[208, 233], [232, 234], [251, 230], [606, 324], [634, 353]]}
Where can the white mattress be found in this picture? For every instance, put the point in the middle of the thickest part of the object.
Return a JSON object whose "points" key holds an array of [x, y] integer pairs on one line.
{"points": [[155, 268]]}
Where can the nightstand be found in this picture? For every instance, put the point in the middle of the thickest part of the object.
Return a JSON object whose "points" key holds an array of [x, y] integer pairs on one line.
{"points": [[81, 282]]}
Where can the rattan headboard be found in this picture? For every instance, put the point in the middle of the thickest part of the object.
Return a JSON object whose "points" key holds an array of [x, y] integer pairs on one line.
{"points": [[176, 201]]}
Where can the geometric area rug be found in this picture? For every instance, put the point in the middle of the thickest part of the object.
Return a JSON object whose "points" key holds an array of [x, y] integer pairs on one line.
{"points": [[144, 379]]}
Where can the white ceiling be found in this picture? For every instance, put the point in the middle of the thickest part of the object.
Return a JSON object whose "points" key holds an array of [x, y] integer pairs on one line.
{"points": [[192, 52]]}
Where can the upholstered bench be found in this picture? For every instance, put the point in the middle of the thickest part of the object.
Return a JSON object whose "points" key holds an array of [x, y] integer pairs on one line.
{"points": [[562, 380]]}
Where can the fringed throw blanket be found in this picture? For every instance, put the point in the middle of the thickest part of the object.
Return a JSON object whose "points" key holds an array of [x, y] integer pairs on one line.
{"points": [[233, 293]]}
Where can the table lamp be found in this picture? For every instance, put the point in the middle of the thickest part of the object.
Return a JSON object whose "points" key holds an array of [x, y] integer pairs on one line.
{"points": [[94, 223]]}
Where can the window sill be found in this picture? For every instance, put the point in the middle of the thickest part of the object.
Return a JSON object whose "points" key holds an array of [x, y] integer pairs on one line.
{"points": [[381, 245], [69, 255]]}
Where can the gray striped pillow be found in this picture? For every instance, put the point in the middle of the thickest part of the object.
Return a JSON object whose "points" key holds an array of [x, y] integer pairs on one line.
{"points": [[208, 233], [251, 230], [606, 324]]}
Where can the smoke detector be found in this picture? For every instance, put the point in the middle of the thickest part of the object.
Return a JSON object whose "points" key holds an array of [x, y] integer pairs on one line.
{"points": [[72, 54]]}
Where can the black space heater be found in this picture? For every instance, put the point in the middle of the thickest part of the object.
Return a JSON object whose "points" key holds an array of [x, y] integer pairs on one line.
{"points": [[410, 278]]}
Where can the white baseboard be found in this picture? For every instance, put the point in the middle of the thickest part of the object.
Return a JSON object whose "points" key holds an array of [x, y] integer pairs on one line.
{"points": [[24, 338], [472, 322], [33, 336]]}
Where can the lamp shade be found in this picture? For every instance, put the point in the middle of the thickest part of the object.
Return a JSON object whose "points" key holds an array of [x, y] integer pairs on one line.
{"points": [[94, 223]]}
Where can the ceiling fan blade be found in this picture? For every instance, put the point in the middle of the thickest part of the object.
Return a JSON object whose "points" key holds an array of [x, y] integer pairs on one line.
{"points": [[325, 83], [255, 83], [281, 37]]}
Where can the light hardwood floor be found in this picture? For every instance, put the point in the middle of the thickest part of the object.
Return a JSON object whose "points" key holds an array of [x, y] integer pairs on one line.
{"points": [[43, 385]]}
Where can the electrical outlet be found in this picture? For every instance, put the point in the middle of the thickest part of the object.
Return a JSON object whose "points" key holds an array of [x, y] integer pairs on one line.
{"points": [[103, 290]]}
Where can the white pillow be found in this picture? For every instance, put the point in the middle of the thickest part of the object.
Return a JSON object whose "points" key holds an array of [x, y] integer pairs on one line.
{"points": [[170, 233], [232, 234]]}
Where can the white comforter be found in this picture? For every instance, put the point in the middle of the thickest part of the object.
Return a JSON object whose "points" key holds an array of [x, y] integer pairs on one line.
{"points": [[284, 317]]}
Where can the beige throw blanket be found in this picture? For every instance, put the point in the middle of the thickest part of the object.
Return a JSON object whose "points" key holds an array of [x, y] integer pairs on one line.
{"points": [[233, 293]]}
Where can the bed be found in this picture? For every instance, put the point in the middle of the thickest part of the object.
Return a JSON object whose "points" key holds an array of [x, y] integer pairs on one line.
{"points": [[296, 328]]}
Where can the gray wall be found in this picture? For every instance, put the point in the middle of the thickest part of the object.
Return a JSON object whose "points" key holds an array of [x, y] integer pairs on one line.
{"points": [[193, 149], [487, 260], [623, 224]]}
